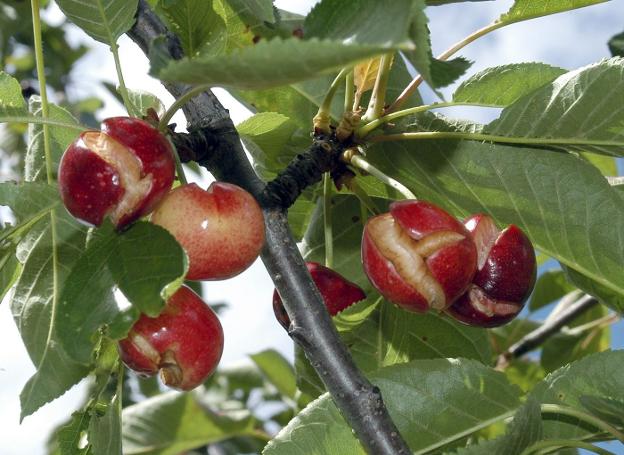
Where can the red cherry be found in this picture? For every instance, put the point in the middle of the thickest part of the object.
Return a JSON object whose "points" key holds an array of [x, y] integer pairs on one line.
{"points": [[418, 256], [121, 172], [184, 342], [221, 229], [338, 293], [505, 275]]}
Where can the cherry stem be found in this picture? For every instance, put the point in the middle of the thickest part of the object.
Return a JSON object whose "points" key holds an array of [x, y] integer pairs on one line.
{"points": [[178, 163], [327, 220], [123, 90], [323, 116], [45, 109], [177, 105], [412, 86], [378, 97], [359, 162], [349, 92]]}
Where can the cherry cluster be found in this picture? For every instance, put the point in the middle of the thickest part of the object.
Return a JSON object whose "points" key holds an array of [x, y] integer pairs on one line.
{"points": [[417, 255], [124, 172]]}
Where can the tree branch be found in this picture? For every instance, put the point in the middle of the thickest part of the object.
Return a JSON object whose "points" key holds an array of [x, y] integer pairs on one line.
{"points": [[359, 401], [538, 336]]}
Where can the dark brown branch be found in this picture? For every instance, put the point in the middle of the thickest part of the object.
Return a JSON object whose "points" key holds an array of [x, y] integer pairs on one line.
{"points": [[359, 401], [538, 336], [204, 145]]}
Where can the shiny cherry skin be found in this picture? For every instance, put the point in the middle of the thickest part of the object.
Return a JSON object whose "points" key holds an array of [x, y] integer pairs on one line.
{"points": [[506, 273], [184, 343], [338, 293], [121, 172], [418, 256], [221, 229]]}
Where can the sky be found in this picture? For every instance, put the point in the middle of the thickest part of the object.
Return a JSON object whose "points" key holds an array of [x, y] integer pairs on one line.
{"points": [[569, 40]]}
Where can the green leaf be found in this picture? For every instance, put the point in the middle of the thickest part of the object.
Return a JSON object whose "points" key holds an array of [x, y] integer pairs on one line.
{"points": [[29, 201], [551, 285], [10, 269], [580, 110], [561, 202], [359, 22], [148, 265], [277, 370], [143, 101], [69, 436], [609, 409], [433, 403], [524, 430], [60, 138], [502, 85], [254, 12], [616, 45], [598, 375], [436, 73], [523, 10], [47, 253], [102, 20], [194, 22], [604, 294], [141, 262], [105, 430], [11, 100], [445, 2], [171, 423], [255, 67]]}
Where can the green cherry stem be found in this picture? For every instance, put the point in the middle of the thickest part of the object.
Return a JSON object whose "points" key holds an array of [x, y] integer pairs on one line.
{"points": [[359, 162], [378, 97], [322, 118], [327, 220], [177, 105], [349, 92]]}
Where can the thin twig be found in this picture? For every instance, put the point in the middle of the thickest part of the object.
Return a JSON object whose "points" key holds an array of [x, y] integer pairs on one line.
{"points": [[359, 401], [538, 336]]}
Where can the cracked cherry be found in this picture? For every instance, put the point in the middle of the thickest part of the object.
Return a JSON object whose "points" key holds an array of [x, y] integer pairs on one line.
{"points": [[184, 343], [121, 172], [506, 271], [418, 256], [338, 293], [221, 229]]}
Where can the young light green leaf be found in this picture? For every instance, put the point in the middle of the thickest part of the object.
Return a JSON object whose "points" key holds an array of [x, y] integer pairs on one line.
{"points": [[277, 370], [433, 402], [598, 375], [10, 269], [171, 423], [561, 202], [102, 20], [267, 64], [361, 22], [143, 101], [502, 85], [523, 10], [580, 110], [11, 99]]}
